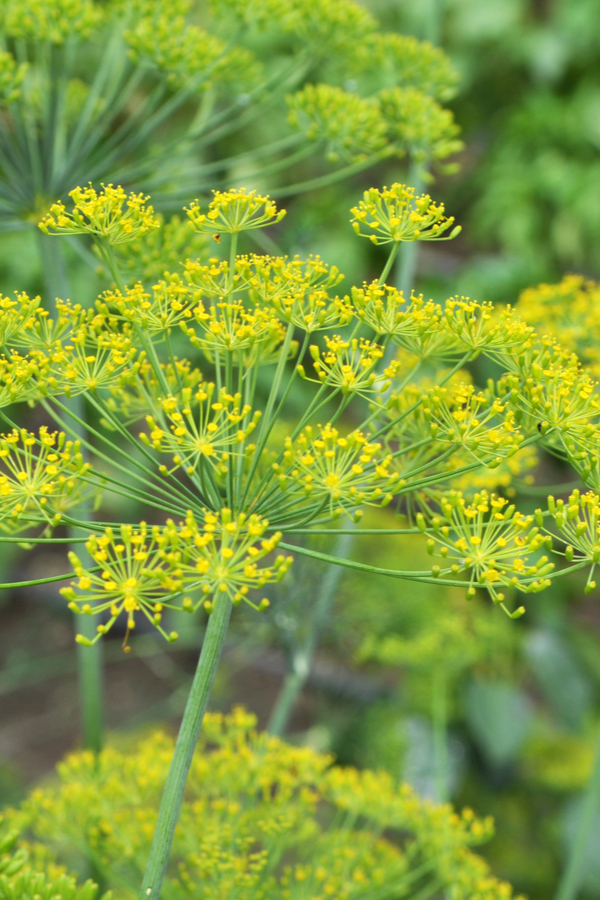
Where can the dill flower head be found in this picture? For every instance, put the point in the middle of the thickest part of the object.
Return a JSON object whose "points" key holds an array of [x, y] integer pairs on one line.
{"points": [[110, 214], [570, 312], [24, 873], [401, 59], [578, 524], [201, 428], [168, 303], [264, 819], [351, 126], [418, 122], [40, 475], [190, 56], [344, 471], [491, 541], [230, 212], [395, 214], [143, 570], [350, 365], [479, 422]]}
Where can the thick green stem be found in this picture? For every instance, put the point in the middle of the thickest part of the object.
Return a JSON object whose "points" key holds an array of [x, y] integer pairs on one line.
{"points": [[570, 883], [89, 666], [302, 658], [184, 748]]}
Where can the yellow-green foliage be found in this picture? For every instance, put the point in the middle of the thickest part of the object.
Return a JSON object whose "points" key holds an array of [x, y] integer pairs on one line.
{"points": [[31, 875], [261, 819]]}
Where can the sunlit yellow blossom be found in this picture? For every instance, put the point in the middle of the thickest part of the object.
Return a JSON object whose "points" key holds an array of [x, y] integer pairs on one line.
{"points": [[230, 212], [201, 429], [142, 569], [168, 303], [351, 365], [267, 797], [491, 541], [111, 215], [578, 524], [40, 477], [394, 214], [343, 472]]}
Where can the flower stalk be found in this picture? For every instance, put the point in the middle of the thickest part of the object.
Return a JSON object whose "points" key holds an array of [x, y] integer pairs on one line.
{"points": [[187, 739]]}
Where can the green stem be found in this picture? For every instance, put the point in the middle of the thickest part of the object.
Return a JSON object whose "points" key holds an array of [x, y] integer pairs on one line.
{"points": [[570, 883], [302, 658], [184, 749], [439, 716], [406, 268], [285, 701], [89, 667], [89, 658]]}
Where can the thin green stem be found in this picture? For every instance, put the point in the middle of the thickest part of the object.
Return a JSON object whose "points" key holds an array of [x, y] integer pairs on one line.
{"points": [[302, 657], [572, 878], [439, 716], [184, 749], [406, 269], [389, 263]]}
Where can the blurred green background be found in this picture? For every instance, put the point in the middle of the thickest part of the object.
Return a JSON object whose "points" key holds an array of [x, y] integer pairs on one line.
{"points": [[522, 700]]}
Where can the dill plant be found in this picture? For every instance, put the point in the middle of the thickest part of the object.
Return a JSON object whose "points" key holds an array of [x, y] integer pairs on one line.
{"points": [[261, 819], [183, 97], [229, 479]]}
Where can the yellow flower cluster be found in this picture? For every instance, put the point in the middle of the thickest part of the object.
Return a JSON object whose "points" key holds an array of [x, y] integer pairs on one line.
{"points": [[350, 365], [341, 472], [570, 312], [384, 309], [296, 290], [228, 326], [25, 874], [230, 212], [261, 819], [41, 477], [201, 429], [16, 317], [395, 214], [480, 423], [110, 215], [561, 402], [578, 524], [141, 569], [21, 377], [489, 539], [476, 327], [169, 303], [401, 59]]}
